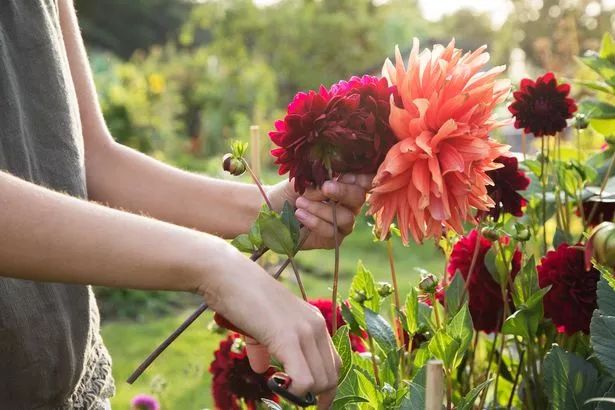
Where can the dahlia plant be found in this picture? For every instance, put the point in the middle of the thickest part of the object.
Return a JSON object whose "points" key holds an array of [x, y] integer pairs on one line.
{"points": [[524, 315]]}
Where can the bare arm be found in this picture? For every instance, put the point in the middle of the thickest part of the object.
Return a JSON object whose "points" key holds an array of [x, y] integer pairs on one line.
{"points": [[124, 178]]}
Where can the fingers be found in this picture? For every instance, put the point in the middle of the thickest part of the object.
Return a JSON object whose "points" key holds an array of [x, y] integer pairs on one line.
{"points": [[350, 191], [258, 355], [318, 217], [325, 400]]}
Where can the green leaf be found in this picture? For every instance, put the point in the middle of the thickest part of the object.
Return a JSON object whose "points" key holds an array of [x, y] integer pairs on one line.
{"points": [[596, 109], [380, 330], [276, 236], [561, 237], [606, 297], [350, 319], [390, 372], [368, 389], [497, 267], [460, 328], [425, 313], [525, 283], [534, 166], [341, 341], [421, 356], [607, 47], [364, 282], [271, 405], [524, 322], [569, 380], [290, 220], [537, 297], [344, 402], [595, 85], [243, 243], [255, 236], [602, 331], [603, 67], [444, 347], [454, 293], [415, 397], [467, 403], [412, 312]]}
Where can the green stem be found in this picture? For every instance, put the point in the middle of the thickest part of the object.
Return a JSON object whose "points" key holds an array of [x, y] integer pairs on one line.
{"points": [[372, 350], [398, 328], [468, 381], [258, 183], [472, 264], [543, 186], [449, 390], [336, 271], [516, 381], [298, 277], [432, 297]]}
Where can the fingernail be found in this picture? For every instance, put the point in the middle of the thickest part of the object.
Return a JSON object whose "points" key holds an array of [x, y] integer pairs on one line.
{"points": [[302, 202], [330, 188]]}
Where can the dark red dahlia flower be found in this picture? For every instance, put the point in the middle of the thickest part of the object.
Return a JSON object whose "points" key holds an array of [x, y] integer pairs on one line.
{"points": [[542, 107], [605, 211], [345, 128], [485, 294], [326, 309], [572, 298], [234, 380], [507, 181]]}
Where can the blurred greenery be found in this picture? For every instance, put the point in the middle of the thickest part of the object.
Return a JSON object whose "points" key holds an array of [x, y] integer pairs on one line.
{"points": [[178, 79]]}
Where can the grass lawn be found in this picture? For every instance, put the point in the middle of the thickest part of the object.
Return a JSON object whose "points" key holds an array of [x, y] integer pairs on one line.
{"points": [[183, 367]]}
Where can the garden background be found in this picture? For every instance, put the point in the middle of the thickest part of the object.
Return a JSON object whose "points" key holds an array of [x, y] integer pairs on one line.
{"points": [[179, 80]]}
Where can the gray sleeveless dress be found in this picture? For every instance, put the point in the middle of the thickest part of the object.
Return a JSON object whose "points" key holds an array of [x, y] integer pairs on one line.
{"points": [[51, 353]]}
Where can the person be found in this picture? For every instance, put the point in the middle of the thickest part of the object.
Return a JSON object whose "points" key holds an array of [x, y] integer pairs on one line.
{"points": [[78, 209]]}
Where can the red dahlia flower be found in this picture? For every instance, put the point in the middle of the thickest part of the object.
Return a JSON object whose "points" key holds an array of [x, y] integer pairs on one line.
{"points": [[345, 128], [507, 181], [485, 294], [325, 306], [542, 107], [234, 380], [572, 298]]}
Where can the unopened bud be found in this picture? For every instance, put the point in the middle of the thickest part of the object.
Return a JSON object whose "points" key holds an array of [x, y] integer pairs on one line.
{"points": [[428, 283], [385, 289], [522, 233], [490, 234], [233, 165], [580, 121], [359, 297], [215, 328]]}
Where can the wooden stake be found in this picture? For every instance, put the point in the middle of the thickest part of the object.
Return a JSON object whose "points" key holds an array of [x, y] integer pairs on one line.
{"points": [[434, 390], [524, 144], [255, 150]]}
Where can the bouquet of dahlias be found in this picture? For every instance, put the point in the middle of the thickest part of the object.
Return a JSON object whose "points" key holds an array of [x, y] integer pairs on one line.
{"points": [[524, 315]]}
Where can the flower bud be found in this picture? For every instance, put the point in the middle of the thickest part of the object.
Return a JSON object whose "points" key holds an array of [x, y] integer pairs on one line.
{"points": [[384, 289], [522, 233], [601, 245], [378, 233], [238, 345], [428, 283], [359, 297], [490, 234], [580, 121], [233, 165]]}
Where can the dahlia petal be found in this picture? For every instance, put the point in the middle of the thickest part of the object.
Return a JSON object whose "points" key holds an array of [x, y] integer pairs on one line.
{"points": [[423, 142], [450, 159], [444, 132], [421, 179], [399, 119]]}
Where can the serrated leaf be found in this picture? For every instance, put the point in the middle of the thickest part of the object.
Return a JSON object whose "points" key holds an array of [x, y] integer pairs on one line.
{"points": [[343, 402], [454, 293], [425, 313], [290, 220], [443, 347], [421, 356], [537, 297], [341, 341], [595, 85], [380, 330], [607, 46], [534, 166], [368, 389], [603, 67], [255, 236], [350, 319], [525, 283], [496, 265], [412, 312], [276, 236], [597, 109], [602, 331], [390, 372], [415, 397], [243, 243], [460, 328], [467, 403], [363, 281], [569, 380]]}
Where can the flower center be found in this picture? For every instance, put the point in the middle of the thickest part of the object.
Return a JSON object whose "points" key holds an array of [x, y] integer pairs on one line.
{"points": [[542, 106]]}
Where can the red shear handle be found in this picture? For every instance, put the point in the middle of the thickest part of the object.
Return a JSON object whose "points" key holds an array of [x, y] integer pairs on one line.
{"points": [[226, 324], [280, 382]]}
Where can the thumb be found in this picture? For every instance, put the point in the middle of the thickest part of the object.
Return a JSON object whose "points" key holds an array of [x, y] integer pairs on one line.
{"points": [[258, 355]]}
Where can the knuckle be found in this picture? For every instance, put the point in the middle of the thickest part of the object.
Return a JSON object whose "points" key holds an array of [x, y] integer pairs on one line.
{"points": [[303, 384]]}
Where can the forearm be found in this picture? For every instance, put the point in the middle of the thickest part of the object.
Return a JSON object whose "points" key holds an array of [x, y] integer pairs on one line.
{"points": [[124, 178], [48, 236]]}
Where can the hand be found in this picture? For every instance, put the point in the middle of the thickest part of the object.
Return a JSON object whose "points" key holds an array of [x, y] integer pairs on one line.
{"points": [[281, 324], [316, 213]]}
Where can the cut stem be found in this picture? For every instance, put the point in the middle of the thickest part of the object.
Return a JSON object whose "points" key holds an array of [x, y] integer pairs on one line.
{"points": [[543, 186], [298, 277], [336, 270], [258, 183]]}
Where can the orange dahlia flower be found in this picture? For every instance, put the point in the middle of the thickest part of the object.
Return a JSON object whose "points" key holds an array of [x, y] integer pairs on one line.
{"points": [[437, 171]]}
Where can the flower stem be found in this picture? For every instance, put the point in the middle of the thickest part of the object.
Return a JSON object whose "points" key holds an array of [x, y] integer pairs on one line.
{"points": [[372, 350], [258, 183], [399, 331], [449, 390], [298, 277], [543, 186], [472, 265], [471, 364], [578, 134], [516, 381], [336, 270], [432, 297]]}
